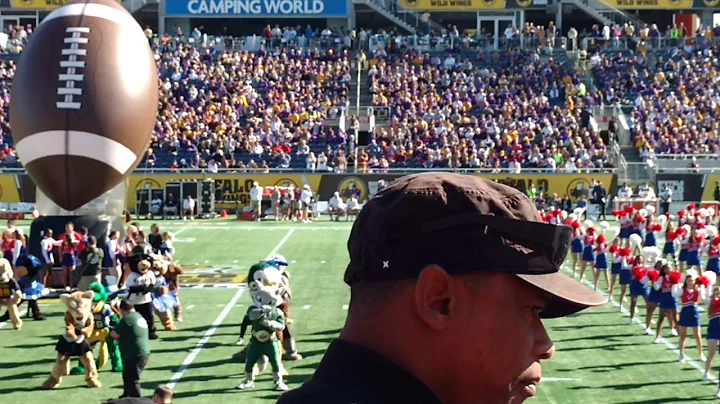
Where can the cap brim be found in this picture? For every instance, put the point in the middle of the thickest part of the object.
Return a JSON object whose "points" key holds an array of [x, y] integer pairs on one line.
{"points": [[569, 296]]}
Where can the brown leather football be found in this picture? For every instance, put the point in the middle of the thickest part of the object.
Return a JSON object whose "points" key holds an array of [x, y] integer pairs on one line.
{"points": [[84, 101]]}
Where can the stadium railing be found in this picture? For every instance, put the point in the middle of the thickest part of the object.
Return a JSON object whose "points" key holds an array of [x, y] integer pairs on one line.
{"points": [[429, 43], [148, 170], [252, 43], [656, 43]]}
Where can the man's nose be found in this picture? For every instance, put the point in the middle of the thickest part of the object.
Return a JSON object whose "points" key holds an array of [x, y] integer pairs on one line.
{"points": [[544, 347]]}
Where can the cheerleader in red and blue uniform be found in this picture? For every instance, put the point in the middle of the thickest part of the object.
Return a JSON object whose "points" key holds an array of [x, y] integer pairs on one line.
{"points": [[696, 245], [650, 229], [713, 330], [668, 304], [601, 261], [47, 256], [689, 295], [669, 249], [625, 225], [639, 285], [588, 256], [626, 265], [713, 264], [68, 252], [653, 299], [638, 225], [8, 245], [20, 251], [576, 245], [684, 241], [616, 262]]}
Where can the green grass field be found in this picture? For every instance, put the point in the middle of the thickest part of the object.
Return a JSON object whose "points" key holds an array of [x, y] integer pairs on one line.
{"points": [[600, 358]]}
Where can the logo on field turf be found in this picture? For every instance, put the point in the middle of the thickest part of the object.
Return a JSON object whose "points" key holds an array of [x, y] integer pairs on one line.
{"points": [[353, 186], [197, 274]]}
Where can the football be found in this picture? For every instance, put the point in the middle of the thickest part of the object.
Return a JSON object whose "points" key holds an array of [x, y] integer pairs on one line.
{"points": [[84, 101]]}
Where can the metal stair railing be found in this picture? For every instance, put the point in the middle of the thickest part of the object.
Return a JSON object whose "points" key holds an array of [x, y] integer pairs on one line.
{"points": [[412, 20]]}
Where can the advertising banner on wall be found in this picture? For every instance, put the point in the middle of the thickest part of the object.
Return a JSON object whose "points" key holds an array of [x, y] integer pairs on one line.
{"points": [[37, 4], [684, 187], [257, 8]]}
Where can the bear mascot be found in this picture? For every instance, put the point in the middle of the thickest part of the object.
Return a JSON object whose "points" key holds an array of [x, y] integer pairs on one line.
{"points": [[163, 301], [10, 293], [267, 321], [104, 320], [74, 342], [141, 283]]}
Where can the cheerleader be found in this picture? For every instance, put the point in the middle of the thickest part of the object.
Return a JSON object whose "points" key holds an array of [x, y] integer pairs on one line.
{"points": [[684, 241], [626, 264], [588, 246], [20, 250], [126, 247], [650, 229], [111, 262], [601, 262], [639, 285], [47, 258], [173, 278], [654, 297], [576, 245], [713, 330], [695, 246], [671, 239], [8, 245], [689, 296], [625, 225], [638, 223], [68, 249], [668, 304], [713, 263], [616, 263], [166, 248]]}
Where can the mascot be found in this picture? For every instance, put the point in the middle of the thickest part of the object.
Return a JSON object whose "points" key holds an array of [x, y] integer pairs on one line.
{"points": [[10, 294], [74, 342], [27, 270], [173, 279], [104, 319], [267, 320], [140, 284], [163, 302], [288, 338]]}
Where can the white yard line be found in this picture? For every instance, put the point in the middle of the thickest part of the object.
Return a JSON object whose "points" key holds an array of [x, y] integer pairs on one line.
{"points": [[175, 379], [179, 231], [699, 366], [3, 324]]}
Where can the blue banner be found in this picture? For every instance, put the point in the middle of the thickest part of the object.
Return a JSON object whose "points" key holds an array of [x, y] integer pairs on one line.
{"points": [[257, 8]]}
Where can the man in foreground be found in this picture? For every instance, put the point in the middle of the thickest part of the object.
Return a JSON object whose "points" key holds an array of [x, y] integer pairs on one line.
{"points": [[450, 276], [133, 336]]}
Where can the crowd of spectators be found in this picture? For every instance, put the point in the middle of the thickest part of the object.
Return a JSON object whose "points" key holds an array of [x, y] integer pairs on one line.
{"points": [[671, 93]]}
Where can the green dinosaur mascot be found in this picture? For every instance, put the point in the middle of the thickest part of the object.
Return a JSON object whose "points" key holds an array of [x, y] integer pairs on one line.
{"points": [[104, 319], [267, 320]]}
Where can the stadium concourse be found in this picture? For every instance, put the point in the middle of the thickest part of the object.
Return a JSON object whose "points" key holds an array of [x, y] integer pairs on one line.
{"points": [[505, 111]]}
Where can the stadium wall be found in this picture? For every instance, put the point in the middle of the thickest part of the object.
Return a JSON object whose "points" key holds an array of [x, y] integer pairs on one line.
{"points": [[233, 190]]}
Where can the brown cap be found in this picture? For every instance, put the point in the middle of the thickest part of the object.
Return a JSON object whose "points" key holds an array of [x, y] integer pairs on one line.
{"points": [[465, 224]]}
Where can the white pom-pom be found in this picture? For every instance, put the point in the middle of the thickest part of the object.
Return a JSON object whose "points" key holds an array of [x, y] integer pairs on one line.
{"points": [[662, 219], [604, 225], [578, 211], [711, 211], [711, 276], [612, 232], [703, 212], [572, 217], [712, 231], [687, 228], [693, 273], [635, 240], [588, 224], [643, 213], [701, 232], [563, 214], [651, 254], [650, 209], [35, 214]]}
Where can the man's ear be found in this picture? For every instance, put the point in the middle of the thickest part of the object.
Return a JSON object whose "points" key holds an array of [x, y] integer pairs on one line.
{"points": [[434, 297]]}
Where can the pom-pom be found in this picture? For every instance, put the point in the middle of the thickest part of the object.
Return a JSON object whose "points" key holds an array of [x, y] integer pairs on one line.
{"points": [[657, 227], [703, 280], [653, 275], [716, 240], [604, 225], [591, 230], [629, 209], [712, 231], [601, 239], [711, 212], [650, 209], [711, 276], [635, 240], [700, 233], [614, 249], [681, 213], [643, 212], [573, 217], [703, 212], [692, 273], [575, 225], [675, 277], [616, 213], [639, 272], [612, 232], [651, 254], [686, 229], [578, 211], [588, 224], [563, 214], [662, 219], [691, 207], [640, 219], [625, 252]]}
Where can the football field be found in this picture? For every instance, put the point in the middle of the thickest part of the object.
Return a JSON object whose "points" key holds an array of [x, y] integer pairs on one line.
{"points": [[600, 357]]}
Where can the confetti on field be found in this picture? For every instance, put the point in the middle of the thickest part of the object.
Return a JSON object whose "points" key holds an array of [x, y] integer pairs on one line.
{"points": [[345, 306], [190, 307], [322, 262], [307, 306], [206, 261], [293, 261], [235, 262]]}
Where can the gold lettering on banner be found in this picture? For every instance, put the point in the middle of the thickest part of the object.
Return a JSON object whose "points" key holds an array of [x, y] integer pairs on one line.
{"points": [[451, 3], [638, 3]]}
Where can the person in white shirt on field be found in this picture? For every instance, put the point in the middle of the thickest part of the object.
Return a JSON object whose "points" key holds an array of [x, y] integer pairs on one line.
{"points": [[256, 195], [305, 200], [336, 206], [353, 207], [189, 208]]}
